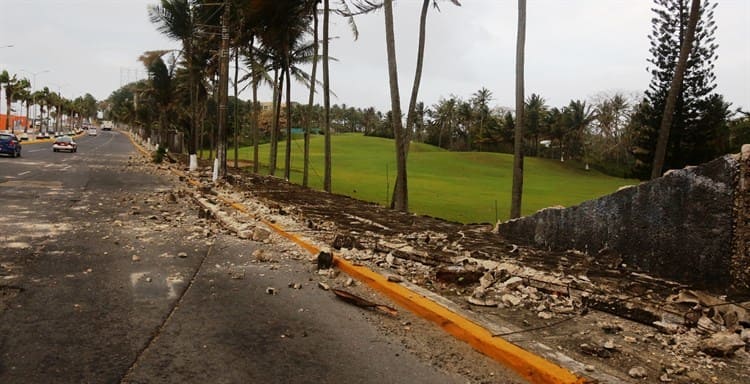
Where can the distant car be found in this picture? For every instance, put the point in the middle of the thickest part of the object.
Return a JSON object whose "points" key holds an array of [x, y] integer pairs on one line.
{"points": [[42, 135], [92, 131], [10, 145], [64, 143]]}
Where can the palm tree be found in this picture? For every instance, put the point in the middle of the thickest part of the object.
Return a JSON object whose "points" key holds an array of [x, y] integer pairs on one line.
{"points": [[177, 20], [480, 101], [517, 189], [326, 102], [20, 92], [10, 84], [535, 111], [400, 199], [674, 90], [311, 98], [161, 88]]}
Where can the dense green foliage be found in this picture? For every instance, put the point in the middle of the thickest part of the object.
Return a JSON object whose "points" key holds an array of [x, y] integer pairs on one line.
{"points": [[699, 127]]}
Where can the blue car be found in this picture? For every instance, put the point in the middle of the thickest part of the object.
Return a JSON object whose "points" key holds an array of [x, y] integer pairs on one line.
{"points": [[10, 145]]}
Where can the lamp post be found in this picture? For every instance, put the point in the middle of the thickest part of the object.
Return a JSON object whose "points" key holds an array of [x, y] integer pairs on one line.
{"points": [[33, 88]]}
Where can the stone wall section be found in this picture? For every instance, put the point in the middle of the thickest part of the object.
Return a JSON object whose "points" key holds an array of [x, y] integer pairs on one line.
{"points": [[680, 226], [741, 252]]}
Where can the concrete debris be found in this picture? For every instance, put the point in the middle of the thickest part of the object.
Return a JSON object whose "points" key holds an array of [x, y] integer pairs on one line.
{"points": [[260, 234], [638, 372], [271, 290], [664, 378], [325, 260], [459, 275], [482, 301], [722, 344], [360, 302], [182, 255], [667, 328], [594, 350], [510, 300], [135, 258], [345, 241], [611, 328], [545, 315], [512, 283], [745, 335], [324, 286], [295, 285], [395, 278]]}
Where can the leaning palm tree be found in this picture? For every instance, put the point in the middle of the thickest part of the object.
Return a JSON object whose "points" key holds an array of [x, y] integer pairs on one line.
{"points": [[517, 189]]}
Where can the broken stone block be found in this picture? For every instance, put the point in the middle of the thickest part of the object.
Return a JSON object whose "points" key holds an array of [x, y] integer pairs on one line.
{"points": [[611, 328], [545, 315], [260, 234], [324, 286], [595, 351], [722, 344], [638, 372], [345, 241], [136, 258], [182, 255], [512, 283], [325, 260], [706, 325], [482, 301], [395, 278], [667, 328], [455, 274], [510, 300]]}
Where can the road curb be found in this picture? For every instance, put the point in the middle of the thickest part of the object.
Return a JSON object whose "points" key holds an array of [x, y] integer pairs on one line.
{"points": [[528, 365]]}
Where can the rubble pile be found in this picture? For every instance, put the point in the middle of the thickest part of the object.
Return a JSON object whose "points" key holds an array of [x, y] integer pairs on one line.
{"points": [[661, 331]]}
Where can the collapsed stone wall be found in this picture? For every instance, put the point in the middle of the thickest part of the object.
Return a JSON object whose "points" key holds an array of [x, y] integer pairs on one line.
{"points": [[681, 226]]}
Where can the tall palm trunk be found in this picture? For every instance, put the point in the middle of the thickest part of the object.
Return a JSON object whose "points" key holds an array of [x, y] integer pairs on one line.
{"points": [[410, 114], [326, 101], [236, 109], [256, 128], [674, 91], [288, 152], [400, 195], [517, 190], [311, 100], [277, 93]]}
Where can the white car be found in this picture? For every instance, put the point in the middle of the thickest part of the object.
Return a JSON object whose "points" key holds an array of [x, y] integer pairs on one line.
{"points": [[64, 143], [92, 131]]}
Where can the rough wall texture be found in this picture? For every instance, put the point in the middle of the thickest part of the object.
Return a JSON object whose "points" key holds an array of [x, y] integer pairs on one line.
{"points": [[680, 226]]}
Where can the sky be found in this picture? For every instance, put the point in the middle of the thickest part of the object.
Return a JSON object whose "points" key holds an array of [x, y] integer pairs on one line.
{"points": [[575, 49]]}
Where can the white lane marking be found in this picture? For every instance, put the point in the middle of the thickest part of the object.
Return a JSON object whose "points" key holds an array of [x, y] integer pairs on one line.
{"points": [[24, 173], [37, 150]]}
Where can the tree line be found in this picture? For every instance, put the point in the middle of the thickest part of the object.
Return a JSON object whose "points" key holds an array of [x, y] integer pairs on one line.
{"points": [[272, 43], [52, 105]]}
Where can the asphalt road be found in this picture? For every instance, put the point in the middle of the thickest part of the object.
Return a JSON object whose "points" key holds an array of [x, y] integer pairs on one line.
{"points": [[107, 275]]}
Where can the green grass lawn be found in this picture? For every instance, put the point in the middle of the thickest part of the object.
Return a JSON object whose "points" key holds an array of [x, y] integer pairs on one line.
{"points": [[458, 186]]}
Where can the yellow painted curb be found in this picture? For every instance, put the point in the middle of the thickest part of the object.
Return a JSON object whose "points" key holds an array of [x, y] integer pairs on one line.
{"points": [[530, 366]]}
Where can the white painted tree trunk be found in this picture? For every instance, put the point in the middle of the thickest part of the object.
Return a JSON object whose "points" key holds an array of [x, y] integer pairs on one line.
{"points": [[193, 162], [216, 170]]}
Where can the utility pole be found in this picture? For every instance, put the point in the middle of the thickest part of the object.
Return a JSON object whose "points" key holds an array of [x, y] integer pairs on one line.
{"points": [[220, 169]]}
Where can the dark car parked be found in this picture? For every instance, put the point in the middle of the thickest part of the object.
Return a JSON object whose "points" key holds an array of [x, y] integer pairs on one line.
{"points": [[10, 145]]}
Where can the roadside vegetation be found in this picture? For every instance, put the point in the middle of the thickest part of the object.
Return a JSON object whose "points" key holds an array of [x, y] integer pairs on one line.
{"points": [[467, 187]]}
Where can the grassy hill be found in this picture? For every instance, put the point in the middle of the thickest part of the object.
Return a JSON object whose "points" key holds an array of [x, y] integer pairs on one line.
{"points": [[460, 186]]}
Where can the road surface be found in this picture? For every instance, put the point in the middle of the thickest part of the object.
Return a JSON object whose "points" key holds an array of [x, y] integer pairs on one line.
{"points": [[108, 275]]}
